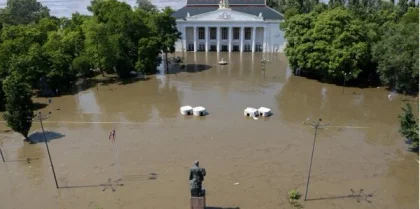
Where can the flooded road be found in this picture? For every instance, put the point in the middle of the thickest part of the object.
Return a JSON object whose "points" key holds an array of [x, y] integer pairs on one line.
{"points": [[360, 154]]}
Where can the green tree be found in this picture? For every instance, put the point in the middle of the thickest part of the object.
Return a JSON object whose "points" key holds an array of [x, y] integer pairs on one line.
{"points": [[60, 57], [18, 104], [397, 54], [327, 44], [2, 98], [115, 35], [21, 49], [82, 64], [165, 29], [148, 53], [23, 12], [409, 127], [146, 5]]}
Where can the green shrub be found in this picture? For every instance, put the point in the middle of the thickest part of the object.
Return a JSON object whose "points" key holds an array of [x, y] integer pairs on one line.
{"points": [[294, 197], [409, 127]]}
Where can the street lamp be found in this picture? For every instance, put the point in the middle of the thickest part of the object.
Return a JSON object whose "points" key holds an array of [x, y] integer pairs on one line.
{"points": [[40, 117], [315, 124], [345, 78], [263, 63]]}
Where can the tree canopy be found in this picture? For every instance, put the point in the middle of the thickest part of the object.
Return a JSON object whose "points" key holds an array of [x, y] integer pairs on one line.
{"points": [[18, 104], [358, 40], [146, 5], [45, 53], [23, 12]]}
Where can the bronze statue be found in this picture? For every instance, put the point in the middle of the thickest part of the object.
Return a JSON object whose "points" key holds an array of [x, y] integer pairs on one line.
{"points": [[196, 179]]}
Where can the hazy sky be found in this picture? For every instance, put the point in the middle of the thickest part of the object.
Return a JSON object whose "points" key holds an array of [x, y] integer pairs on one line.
{"points": [[64, 8]]}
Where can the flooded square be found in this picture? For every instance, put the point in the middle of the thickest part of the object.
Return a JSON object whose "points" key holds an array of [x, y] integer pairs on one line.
{"points": [[360, 160]]}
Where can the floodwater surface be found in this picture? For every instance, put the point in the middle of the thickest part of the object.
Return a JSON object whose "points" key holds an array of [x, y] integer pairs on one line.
{"points": [[360, 159]]}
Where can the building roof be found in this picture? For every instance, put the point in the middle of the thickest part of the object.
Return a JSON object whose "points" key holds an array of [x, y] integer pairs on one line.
{"points": [[267, 12], [231, 2]]}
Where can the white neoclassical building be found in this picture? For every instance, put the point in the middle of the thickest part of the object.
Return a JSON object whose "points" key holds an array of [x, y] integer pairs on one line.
{"points": [[235, 25]]}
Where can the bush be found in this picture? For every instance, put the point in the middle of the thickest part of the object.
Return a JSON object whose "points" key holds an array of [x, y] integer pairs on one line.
{"points": [[294, 197], [409, 127]]}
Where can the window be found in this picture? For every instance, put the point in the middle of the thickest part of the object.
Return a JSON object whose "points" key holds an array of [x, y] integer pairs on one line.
{"points": [[213, 48], [201, 47], [213, 33], [224, 33], [247, 33], [190, 47], [247, 48], [236, 33], [201, 33], [258, 47], [224, 48], [235, 48]]}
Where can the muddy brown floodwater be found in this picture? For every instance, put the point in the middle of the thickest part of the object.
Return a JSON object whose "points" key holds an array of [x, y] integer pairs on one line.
{"points": [[361, 150]]}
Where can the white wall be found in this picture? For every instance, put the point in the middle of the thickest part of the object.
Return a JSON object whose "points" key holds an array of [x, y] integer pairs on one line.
{"points": [[259, 36], [276, 38]]}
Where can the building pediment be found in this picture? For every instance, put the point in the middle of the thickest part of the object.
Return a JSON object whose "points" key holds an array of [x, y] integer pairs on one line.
{"points": [[224, 14]]}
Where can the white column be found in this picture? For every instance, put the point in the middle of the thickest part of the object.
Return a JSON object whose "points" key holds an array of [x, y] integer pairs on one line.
{"points": [[195, 38], [183, 30], [253, 38], [230, 38], [242, 39], [218, 38], [206, 36], [265, 43]]}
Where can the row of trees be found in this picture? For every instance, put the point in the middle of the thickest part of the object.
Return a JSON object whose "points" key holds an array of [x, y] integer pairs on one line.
{"points": [[359, 40], [42, 52]]}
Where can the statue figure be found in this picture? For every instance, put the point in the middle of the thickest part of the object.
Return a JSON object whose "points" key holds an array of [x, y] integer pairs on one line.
{"points": [[196, 179], [223, 4]]}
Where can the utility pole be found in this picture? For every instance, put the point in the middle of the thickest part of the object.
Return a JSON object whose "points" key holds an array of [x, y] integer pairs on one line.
{"points": [[116, 154], [40, 117], [314, 124], [2, 157]]}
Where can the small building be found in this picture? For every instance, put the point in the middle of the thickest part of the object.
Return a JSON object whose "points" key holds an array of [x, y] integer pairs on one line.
{"points": [[229, 25]]}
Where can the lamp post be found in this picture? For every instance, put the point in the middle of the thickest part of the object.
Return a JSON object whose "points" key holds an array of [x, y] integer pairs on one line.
{"points": [[40, 117], [315, 124], [345, 78], [263, 63]]}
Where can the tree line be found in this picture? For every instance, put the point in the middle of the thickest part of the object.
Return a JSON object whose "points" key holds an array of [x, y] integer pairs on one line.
{"points": [[361, 41], [41, 52]]}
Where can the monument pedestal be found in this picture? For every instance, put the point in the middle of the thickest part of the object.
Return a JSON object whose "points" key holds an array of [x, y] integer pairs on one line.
{"points": [[198, 202]]}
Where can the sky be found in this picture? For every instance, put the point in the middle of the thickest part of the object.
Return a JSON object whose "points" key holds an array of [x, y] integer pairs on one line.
{"points": [[64, 8]]}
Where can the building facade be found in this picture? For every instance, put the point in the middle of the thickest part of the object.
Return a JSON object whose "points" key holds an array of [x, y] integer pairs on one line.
{"points": [[235, 25]]}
